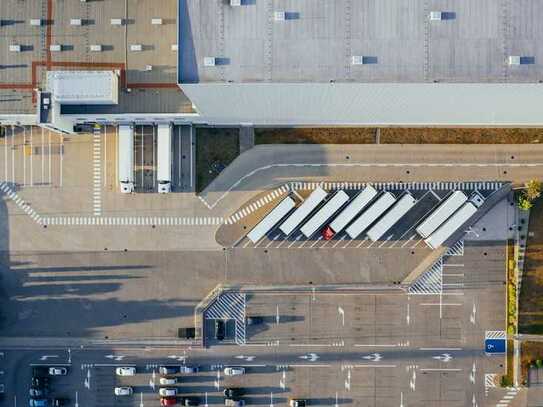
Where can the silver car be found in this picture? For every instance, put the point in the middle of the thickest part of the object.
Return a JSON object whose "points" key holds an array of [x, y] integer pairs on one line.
{"points": [[123, 391], [167, 392], [168, 380]]}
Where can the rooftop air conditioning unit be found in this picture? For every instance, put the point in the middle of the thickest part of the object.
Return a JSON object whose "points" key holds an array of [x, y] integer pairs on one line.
{"points": [[116, 21], [436, 16], [55, 48], [136, 47], [15, 48], [156, 21], [513, 60], [209, 61], [96, 48], [235, 3], [279, 15], [76, 21], [174, 47], [36, 22], [357, 60]]}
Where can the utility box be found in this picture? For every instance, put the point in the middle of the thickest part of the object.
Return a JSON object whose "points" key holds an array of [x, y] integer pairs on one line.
{"points": [[209, 61]]}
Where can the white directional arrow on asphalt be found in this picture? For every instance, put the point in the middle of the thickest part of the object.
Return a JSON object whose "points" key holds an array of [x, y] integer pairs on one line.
{"points": [[374, 357], [247, 358], [311, 357], [444, 357], [117, 358], [45, 357], [472, 373], [283, 380]]}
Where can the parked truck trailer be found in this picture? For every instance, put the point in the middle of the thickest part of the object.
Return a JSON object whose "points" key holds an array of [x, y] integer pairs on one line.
{"points": [[125, 161]]}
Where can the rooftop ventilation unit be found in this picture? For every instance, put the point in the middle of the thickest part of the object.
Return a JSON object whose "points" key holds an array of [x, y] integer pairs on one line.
{"points": [[55, 48], [436, 16], [15, 48], [209, 61], [76, 21], [156, 21], [95, 48], [36, 22], [279, 15], [235, 3], [513, 60], [174, 47], [136, 47], [357, 60], [116, 21], [148, 67]]}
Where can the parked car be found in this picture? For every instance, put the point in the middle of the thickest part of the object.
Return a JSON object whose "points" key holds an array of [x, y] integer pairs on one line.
{"points": [[40, 382], [124, 391], [36, 392], [168, 380], [297, 403], [125, 371], [38, 403], [166, 370], [58, 371], [40, 371], [167, 391], [220, 329], [168, 401], [191, 401], [189, 369], [233, 393], [255, 320], [59, 402], [234, 403], [234, 371]]}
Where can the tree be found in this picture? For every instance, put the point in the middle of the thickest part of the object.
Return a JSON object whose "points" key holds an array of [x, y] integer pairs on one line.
{"points": [[533, 189], [524, 203]]}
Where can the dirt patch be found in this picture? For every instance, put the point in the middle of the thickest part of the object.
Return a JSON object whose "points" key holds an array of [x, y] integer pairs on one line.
{"points": [[216, 148], [531, 292], [460, 136], [332, 135], [530, 352], [392, 135]]}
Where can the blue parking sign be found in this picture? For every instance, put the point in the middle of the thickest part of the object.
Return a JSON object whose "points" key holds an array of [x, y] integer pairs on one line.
{"points": [[494, 346]]}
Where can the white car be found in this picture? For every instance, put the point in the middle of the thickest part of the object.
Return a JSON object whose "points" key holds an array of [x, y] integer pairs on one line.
{"points": [[126, 371], [167, 392], [168, 380], [58, 371], [233, 371], [123, 391]]}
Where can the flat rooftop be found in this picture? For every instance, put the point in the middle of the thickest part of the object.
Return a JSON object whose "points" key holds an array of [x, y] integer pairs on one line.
{"points": [[152, 90], [318, 38]]}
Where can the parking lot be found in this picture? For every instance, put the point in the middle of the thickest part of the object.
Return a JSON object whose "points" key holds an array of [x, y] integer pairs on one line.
{"points": [[401, 236]]}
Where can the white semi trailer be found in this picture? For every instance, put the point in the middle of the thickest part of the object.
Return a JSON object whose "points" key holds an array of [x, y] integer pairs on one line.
{"points": [[126, 158], [164, 158]]}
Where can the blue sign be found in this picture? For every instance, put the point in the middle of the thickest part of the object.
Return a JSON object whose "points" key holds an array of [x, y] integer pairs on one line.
{"points": [[494, 346]]}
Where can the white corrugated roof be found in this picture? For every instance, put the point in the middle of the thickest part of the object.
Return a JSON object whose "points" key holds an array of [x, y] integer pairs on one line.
{"points": [[83, 87], [372, 104]]}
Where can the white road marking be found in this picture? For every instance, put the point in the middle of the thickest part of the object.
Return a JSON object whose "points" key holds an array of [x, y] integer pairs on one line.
{"points": [[341, 312]]}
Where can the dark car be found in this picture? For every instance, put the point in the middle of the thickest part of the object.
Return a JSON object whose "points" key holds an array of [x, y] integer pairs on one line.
{"points": [[191, 401], [220, 329], [298, 403], [166, 370], [40, 371], [189, 369], [255, 320], [40, 382], [60, 401], [233, 393]]}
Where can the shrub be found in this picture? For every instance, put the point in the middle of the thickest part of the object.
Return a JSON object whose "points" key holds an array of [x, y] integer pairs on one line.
{"points": [[506, 381], [533, 189]]}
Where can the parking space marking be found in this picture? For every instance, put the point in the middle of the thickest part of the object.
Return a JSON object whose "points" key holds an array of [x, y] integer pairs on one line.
{"points": [[97, 173]]}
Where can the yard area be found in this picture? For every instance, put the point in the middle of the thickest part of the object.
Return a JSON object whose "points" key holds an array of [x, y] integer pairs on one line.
{"points": [[393, 135], [531, 293], [530, 353], [216, 148]]}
